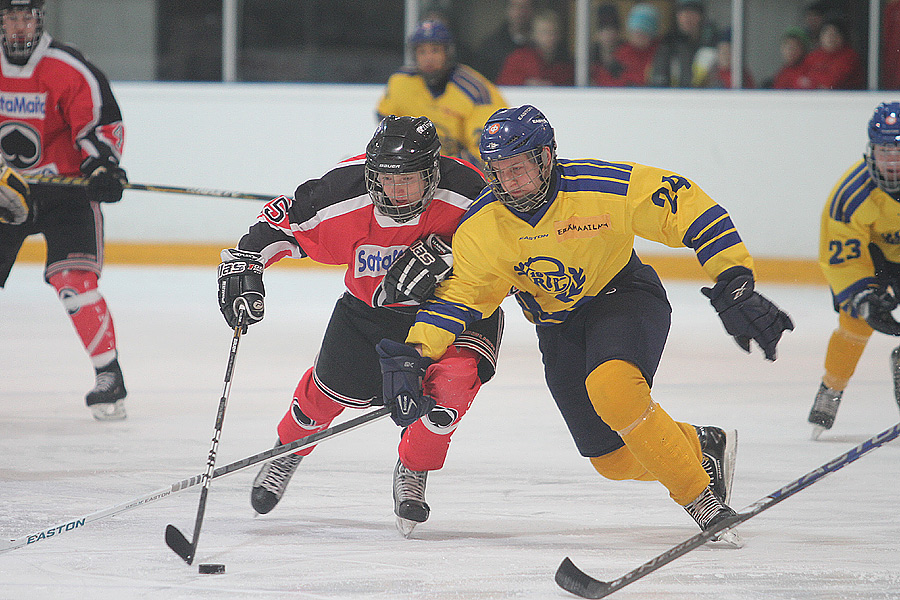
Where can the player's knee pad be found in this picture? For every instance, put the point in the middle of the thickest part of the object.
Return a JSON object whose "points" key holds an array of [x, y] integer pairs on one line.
{"points": [[76, 289], [619, 393], [621, 464]]}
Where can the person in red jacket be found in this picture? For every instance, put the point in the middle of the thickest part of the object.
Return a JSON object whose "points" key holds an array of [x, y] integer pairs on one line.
{"points": [[890, 47], [631, 59], [545, 61], [794, 47], [834, 65]]}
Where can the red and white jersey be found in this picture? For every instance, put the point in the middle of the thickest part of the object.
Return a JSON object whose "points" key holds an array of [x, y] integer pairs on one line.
{"points": [[56, 110], [333, 221]]}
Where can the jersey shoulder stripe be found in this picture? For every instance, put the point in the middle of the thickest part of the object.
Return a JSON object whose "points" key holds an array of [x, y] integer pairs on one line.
{"points": [[471, 84], [487, 197], [850, 193], [590, 175]]}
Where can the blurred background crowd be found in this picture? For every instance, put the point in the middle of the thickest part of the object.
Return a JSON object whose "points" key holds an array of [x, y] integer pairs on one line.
{"points": [[785, 44]]}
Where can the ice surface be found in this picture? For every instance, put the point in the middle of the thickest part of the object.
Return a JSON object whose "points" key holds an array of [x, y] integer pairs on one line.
{"points": [[513, 500]]}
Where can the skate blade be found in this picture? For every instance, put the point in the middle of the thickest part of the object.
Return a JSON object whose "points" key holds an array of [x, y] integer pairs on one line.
{"points": [[109, 411], [728, 539], [405, 526], [816, 432]]}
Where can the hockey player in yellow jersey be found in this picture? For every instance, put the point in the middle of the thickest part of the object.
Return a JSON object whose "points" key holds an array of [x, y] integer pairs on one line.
{"points": [[859, 252], [455, 97], [561, 234]]}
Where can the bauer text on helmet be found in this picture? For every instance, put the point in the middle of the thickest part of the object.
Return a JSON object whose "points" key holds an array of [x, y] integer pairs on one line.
{"points": [[402, 166]]}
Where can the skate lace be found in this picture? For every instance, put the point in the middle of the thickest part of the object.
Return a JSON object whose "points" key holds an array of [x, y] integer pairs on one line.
{"points": [[704, 508], [106, 381], [410, 485], [827, 402], [279, 472]]}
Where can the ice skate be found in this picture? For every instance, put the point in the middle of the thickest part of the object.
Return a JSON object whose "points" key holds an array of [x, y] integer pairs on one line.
{"points": [[272, 481], [409, 498], [709, 510], [719, 453], [106, 400], [824, 410]]}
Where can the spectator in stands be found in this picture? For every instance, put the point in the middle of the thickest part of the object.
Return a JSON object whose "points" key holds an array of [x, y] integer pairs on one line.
{"points": [[546, 61], [794, 47], [813, 19], [719, 76], [689, 48], [512, 34], [606, 69], [455, 97], [890, 47], [635, 54], [834, 65]]}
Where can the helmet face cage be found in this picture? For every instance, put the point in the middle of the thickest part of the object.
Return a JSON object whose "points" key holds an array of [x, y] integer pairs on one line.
{"points": [[415, 192], [402, 168], [19, 49], [883, 150], [536, 177], [511, 132]]}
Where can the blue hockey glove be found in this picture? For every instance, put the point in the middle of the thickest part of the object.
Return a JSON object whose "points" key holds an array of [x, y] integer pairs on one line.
{"points": [[874, 305], [745, 313], [403, 373]]}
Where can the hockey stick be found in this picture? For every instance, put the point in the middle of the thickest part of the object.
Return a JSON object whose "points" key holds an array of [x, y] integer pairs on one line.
{"points": [[148, 187], [574, 580], [238, 465], [174, 538]]}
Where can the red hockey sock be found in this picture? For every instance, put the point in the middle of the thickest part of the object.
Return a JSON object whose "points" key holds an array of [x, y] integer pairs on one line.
{"points": [[87, 309], [452, 382], [311, 411]]}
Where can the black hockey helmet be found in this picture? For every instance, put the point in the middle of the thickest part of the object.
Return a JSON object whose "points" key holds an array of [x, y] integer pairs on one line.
{"points": [[403, 146], [18, 49]]}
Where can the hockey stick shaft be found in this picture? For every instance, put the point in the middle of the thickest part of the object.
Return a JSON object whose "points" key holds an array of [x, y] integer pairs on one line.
{"points": [[179, 486], [574, 580], [174, 538], [148, 187]]}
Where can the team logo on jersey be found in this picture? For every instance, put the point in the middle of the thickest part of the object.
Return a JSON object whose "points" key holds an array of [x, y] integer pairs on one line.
{"points": [[581, 227], [552, 276], [892, 237], [20, 144], [23, 105], [374, 261]]}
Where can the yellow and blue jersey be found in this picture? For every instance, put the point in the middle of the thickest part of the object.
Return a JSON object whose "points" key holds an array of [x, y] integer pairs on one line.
{"points": [[566, 253], [856, 214], [458, 113]]}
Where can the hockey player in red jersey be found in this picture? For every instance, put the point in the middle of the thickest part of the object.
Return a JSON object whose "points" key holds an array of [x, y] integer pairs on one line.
{"points": [[378, 214], [58, 116]]}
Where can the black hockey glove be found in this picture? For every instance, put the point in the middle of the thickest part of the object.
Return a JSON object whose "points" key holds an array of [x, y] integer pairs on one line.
{"points": [[15, 197], [403, 374], [746, 314], [106, 180], [417, 272], [874, 306], [241, 287]]}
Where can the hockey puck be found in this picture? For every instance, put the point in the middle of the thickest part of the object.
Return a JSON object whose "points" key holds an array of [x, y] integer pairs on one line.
{"points": [[211, 569]]}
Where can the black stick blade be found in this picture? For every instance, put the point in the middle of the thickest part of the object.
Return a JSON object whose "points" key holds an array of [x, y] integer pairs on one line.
{"points": [[574, 580], [179, 544]]}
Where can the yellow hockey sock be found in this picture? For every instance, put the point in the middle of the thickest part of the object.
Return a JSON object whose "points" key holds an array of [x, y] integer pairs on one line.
{"points": [[844, 350], [668, 451]]}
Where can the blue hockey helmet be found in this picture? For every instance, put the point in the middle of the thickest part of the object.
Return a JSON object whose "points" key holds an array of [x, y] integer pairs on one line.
{"points": [[510, 132], [883, 150], [403, 146], [19, 47], [434, 32]]}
